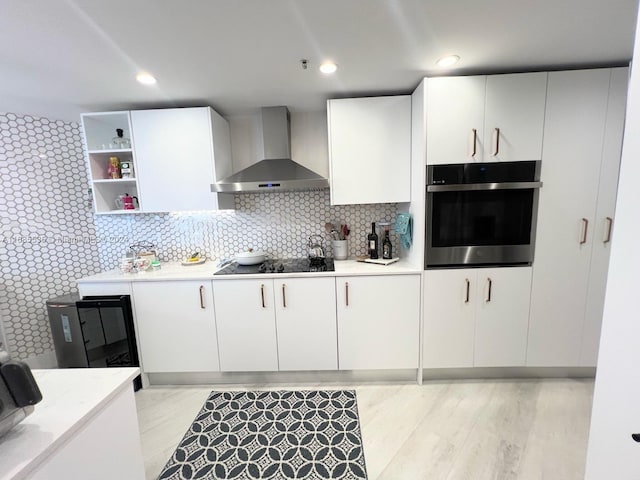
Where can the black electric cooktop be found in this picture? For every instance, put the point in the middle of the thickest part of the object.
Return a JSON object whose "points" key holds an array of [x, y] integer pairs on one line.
{"points": [[279, 265]]}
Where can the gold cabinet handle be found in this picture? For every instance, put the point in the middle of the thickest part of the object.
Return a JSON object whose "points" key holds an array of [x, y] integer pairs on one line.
{"points": [[585, 228], [489, 292], [496, 141], [346, 292], [284, 297], [609, 221], [262, 295], [202, 296], [466, 298], [474, 141]]}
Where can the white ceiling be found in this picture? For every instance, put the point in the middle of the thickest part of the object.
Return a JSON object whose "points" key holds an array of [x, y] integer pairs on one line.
{"points": [[62, 57]]}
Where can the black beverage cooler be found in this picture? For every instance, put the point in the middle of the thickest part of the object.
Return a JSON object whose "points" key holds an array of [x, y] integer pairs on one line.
{"points": [[93, 332]]}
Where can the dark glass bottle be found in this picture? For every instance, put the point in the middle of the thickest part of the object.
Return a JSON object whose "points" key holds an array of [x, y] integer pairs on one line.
{"points": [[372, 240], [387, 248]]}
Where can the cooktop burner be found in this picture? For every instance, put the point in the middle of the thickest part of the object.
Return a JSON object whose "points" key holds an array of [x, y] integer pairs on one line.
{"points": [[279, 265]]}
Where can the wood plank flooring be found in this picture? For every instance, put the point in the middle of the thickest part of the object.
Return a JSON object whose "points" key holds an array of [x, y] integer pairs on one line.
{"points": [[443, 430]]}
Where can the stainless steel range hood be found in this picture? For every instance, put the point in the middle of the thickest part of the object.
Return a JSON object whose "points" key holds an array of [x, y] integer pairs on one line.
{"points": [[276, 172]]}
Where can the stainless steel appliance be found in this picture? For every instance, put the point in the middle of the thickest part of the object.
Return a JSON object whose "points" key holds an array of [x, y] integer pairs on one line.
{"points": [[481, 213], [93, 332], [19, 392], [282, 265]]}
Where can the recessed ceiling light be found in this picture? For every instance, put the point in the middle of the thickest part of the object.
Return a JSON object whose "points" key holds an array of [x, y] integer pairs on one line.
{"points": [[448, 61], [146, 78], [328, 67]]}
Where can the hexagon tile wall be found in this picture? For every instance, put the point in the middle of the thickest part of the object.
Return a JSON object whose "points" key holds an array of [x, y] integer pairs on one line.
{"points": [[47, 235]]}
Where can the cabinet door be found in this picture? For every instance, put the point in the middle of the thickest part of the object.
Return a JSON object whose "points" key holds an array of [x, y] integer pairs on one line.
{"points": [[455, 119], [603, 227], [449, 315], [306, 323], [245, 316], [370, 149], [573, 141], [502, 317], [174, 155], [378, 321], [514, 116], [176, 326]]}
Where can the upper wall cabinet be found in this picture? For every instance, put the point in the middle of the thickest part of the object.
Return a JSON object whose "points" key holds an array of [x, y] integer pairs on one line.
{"points": [[370, 149], [492, 118], [180, 153], [165, 160]]}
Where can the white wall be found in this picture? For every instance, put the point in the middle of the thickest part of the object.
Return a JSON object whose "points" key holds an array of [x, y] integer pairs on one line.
{"points": [[616, 405]]}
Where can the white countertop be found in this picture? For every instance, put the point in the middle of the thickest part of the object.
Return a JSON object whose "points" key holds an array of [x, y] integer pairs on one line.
{"points": [[70, 398], [177, 271]]}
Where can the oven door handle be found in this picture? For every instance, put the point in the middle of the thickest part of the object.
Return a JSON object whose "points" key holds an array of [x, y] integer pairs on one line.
{"points": [[458, 187]]}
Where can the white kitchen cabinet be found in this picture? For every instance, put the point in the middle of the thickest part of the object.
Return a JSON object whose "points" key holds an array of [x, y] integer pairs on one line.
{"points": [[490, 118], [98, 130], [306, 323], [580, 161], [370, 149], [476, 317], [176, 326], [276, 324], [245, 316], [180, 153], [378, 321]]}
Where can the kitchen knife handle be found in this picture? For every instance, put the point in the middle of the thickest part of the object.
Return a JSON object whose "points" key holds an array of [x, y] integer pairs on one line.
{"points": [[474, 138], [489, 292], [262, 295], [496, 141], [466, 298], [609, 221], [202, 297], [284, 296], [346, 292], [585, 228]]}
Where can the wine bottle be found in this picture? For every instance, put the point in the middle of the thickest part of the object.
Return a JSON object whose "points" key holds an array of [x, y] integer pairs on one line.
{"points": [[387, 248], [372, 240]]}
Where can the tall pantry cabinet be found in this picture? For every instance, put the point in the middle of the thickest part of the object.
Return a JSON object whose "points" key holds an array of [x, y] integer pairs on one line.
{"points": [[580, 161]]}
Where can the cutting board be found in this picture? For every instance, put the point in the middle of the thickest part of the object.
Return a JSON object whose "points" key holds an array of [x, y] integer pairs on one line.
{"points": [[381, 261]]}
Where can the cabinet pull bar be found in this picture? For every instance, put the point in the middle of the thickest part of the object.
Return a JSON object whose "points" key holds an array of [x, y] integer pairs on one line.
{"points": [[466, 298], [585, 228], [489, 292], [609, 221], [284, 297], [496, 141], [202, 297], [262, 295], [472, 147], [346, 292]]}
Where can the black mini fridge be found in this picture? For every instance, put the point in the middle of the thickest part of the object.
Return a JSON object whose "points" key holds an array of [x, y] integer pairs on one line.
{"points": [[93, 332]]}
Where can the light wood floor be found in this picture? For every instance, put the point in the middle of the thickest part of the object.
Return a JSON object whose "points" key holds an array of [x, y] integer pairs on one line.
{"points": [[449, 430]]}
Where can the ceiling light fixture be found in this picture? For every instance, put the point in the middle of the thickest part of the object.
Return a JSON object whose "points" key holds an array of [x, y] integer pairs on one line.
{"points": [[146, 78], [328, 67], [448, 61]]}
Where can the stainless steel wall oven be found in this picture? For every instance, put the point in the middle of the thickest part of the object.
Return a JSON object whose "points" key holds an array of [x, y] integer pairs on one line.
{"points": [[481, 213]]}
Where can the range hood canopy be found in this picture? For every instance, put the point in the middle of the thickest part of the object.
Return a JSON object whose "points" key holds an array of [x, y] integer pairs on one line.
{"points": [[276, 172]]}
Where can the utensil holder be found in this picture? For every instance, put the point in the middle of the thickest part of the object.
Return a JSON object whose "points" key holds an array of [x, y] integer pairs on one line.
{"points": [[340, 249]]}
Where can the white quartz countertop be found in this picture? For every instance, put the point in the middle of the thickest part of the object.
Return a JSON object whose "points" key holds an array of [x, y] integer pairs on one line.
{"points": [[70, 398], [177, 271]]}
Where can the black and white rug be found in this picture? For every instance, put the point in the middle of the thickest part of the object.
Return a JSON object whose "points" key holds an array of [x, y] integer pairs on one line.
{"points": [[276, 435]]}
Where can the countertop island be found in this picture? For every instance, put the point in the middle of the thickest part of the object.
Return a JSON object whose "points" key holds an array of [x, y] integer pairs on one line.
{"points": [[86, 426]]}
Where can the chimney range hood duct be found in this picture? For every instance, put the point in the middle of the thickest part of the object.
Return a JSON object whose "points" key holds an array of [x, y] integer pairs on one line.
{"points": [[276, 172]]}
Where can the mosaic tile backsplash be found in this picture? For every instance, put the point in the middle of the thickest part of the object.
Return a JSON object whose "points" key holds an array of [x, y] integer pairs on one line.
{"points": [[47, 235], [278, 223]]}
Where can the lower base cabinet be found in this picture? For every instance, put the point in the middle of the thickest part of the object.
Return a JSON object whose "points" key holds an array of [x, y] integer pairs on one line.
{"points": [[378, 321], [476, 317], [176, 326]]}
